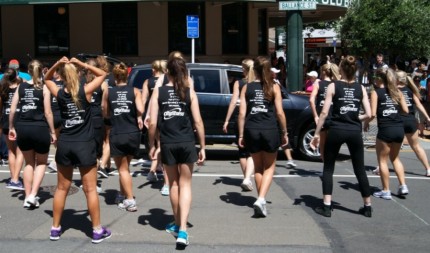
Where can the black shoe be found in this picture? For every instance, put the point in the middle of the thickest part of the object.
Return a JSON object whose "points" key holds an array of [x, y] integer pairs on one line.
{"points": [[366, 211], [102, 172], [324, 210], [110, 171]]}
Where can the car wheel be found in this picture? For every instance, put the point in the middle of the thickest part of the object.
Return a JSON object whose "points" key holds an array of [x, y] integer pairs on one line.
{"points": [[304, 144]]}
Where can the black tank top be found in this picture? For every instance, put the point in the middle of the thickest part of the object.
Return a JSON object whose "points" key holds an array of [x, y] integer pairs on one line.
{"points": [[320, 98], [31, 105], [387, 111], [96, 103], [260, 111], [409, 98], [346, 106], [151, 85], [122, 102], [76, 122], [175, 117], [110, 80], [54, 104], [242, 83], [6, 104]]}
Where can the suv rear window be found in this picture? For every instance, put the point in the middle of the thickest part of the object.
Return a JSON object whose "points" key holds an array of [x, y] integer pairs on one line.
{"points": [[207, 81], [139, 76]]}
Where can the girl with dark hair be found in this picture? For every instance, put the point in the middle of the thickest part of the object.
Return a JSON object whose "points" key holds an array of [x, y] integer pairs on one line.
{"points": [[261, 105], [76, 146], [34, 130], [124, 108], [347, 96], [387, 101], [174, 109], [8, 85]]}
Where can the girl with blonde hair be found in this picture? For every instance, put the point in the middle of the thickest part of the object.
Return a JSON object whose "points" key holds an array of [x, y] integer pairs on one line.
{"points": [[387, 102], [34, 130], [245, 159], [412, 96], [76, 145]]}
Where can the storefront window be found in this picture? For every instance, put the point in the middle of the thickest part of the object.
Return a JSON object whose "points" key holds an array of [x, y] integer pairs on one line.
{"points": [[262, 32], [120, 28], [234, 28], [178, 40], [51, 29]]}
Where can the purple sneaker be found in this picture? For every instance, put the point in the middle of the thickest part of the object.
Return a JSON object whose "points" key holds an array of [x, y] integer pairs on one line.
{"points": [[99, 237], [55, 234]]}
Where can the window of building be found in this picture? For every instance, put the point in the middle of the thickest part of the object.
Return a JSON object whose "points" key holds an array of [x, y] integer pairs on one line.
{"points": [[262, 32], [178, 40], [120, 28], [234, 28], [51, 29]]}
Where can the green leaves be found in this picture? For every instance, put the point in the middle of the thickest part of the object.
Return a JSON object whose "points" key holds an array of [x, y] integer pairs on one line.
{"points": [[392, 26]]}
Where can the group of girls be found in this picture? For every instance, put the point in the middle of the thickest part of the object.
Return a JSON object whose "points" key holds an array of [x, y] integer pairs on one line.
{"points": [[336, 103]]}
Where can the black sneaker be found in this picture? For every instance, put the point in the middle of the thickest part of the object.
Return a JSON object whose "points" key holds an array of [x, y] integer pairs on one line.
{"points": [[110, 171], [366, 211], [102, 172], [324, 210]]}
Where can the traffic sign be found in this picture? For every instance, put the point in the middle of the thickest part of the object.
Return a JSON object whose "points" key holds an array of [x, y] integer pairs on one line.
{"points": [[297, 5], [192, 26]]}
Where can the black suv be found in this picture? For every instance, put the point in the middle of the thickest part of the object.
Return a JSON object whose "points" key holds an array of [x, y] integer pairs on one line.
{"points": [[213, 83]]}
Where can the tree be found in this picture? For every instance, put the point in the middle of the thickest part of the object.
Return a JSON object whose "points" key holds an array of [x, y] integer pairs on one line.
{"points": [[395, 27]]}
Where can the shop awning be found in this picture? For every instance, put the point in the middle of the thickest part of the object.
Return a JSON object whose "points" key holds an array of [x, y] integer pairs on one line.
{"points": [[23, 2]]}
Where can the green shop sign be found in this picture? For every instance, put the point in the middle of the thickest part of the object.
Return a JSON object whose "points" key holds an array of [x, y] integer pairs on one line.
{"points": [[311, 4]]}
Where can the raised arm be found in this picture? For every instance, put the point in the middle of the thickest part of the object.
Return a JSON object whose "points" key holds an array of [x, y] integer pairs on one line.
{"points": [[52, 87], [99, 74], [231, 106]]}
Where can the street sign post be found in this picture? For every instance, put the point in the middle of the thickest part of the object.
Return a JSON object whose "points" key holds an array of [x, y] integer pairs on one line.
{"points": [[192, 31], [297, 5]]}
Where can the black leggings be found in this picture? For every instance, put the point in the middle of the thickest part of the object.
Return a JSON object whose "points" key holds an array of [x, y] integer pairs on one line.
{"points": [[354, 141]]}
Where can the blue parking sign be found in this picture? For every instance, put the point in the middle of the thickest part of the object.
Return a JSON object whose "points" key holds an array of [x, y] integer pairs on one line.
{"points": [[192, 26]]}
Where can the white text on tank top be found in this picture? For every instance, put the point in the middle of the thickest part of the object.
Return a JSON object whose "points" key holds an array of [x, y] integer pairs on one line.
{"points": [[122, 103], [173, 103], [389, 104], [73, 116], [258, 103], [8, 103], [349, 101], [29, 100]]}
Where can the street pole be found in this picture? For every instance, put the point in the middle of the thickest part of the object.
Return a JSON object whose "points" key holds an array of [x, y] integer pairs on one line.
{"points": [[295, 50], [192, 50]]}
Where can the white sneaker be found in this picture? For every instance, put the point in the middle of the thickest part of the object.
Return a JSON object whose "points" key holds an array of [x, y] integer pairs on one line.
{"points": [[383, 195], [165, 190], [260, 208], [98, 189], [152, 177], [32, 201], [52, 166], [246, 185], [376, 171], [291, 164], [403, 190], [128, 205]]}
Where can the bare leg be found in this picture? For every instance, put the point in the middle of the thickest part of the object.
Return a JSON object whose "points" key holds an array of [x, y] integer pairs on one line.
{"points": [[126, 184], [185, 195], [419, 151], [89, 182], [173, 175], [397, 164], [64, 181], [39, 172], [382, 152], [16, 160]]}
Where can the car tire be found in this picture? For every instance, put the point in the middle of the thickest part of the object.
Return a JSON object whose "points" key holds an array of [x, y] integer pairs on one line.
{"points": [[304, 146]]}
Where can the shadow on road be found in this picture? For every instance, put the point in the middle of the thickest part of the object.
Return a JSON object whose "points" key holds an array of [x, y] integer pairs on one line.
{"points": [[74, 219], [237, 199]]}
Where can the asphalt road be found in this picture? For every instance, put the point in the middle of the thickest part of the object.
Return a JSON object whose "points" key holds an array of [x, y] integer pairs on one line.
{"points": [[221, 218]]}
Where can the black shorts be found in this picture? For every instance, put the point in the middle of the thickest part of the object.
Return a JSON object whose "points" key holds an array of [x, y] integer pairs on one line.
{"points": [[410, 126], [124, 144], [35, 138], [76, 153], [57, 120], [178, 153], [257, 140], [99, 133], [391, 134]]}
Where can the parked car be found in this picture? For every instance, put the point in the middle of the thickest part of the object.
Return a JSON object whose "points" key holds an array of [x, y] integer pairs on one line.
{"points": [[213, 84]]}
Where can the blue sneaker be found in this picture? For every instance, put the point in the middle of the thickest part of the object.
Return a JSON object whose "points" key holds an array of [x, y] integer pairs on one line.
{"points": [[55, 234], [182, 238], [15, 185], [172, 228], [98, 237]]}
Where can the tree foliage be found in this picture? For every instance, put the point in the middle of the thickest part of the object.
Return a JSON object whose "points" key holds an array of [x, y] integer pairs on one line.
{"points": [[398, 27]]}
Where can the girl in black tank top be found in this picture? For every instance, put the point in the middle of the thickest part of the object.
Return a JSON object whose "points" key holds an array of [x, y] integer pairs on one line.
{"points": [[8, 86], [245, 158], [347, 97], [329, 73], [387, 103], [260, 113], [173, 108], [76, 145], [34, 130], [412, 95]]}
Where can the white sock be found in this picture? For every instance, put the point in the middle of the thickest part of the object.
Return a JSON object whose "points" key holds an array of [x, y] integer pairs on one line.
{"points": [[327, 203]]}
